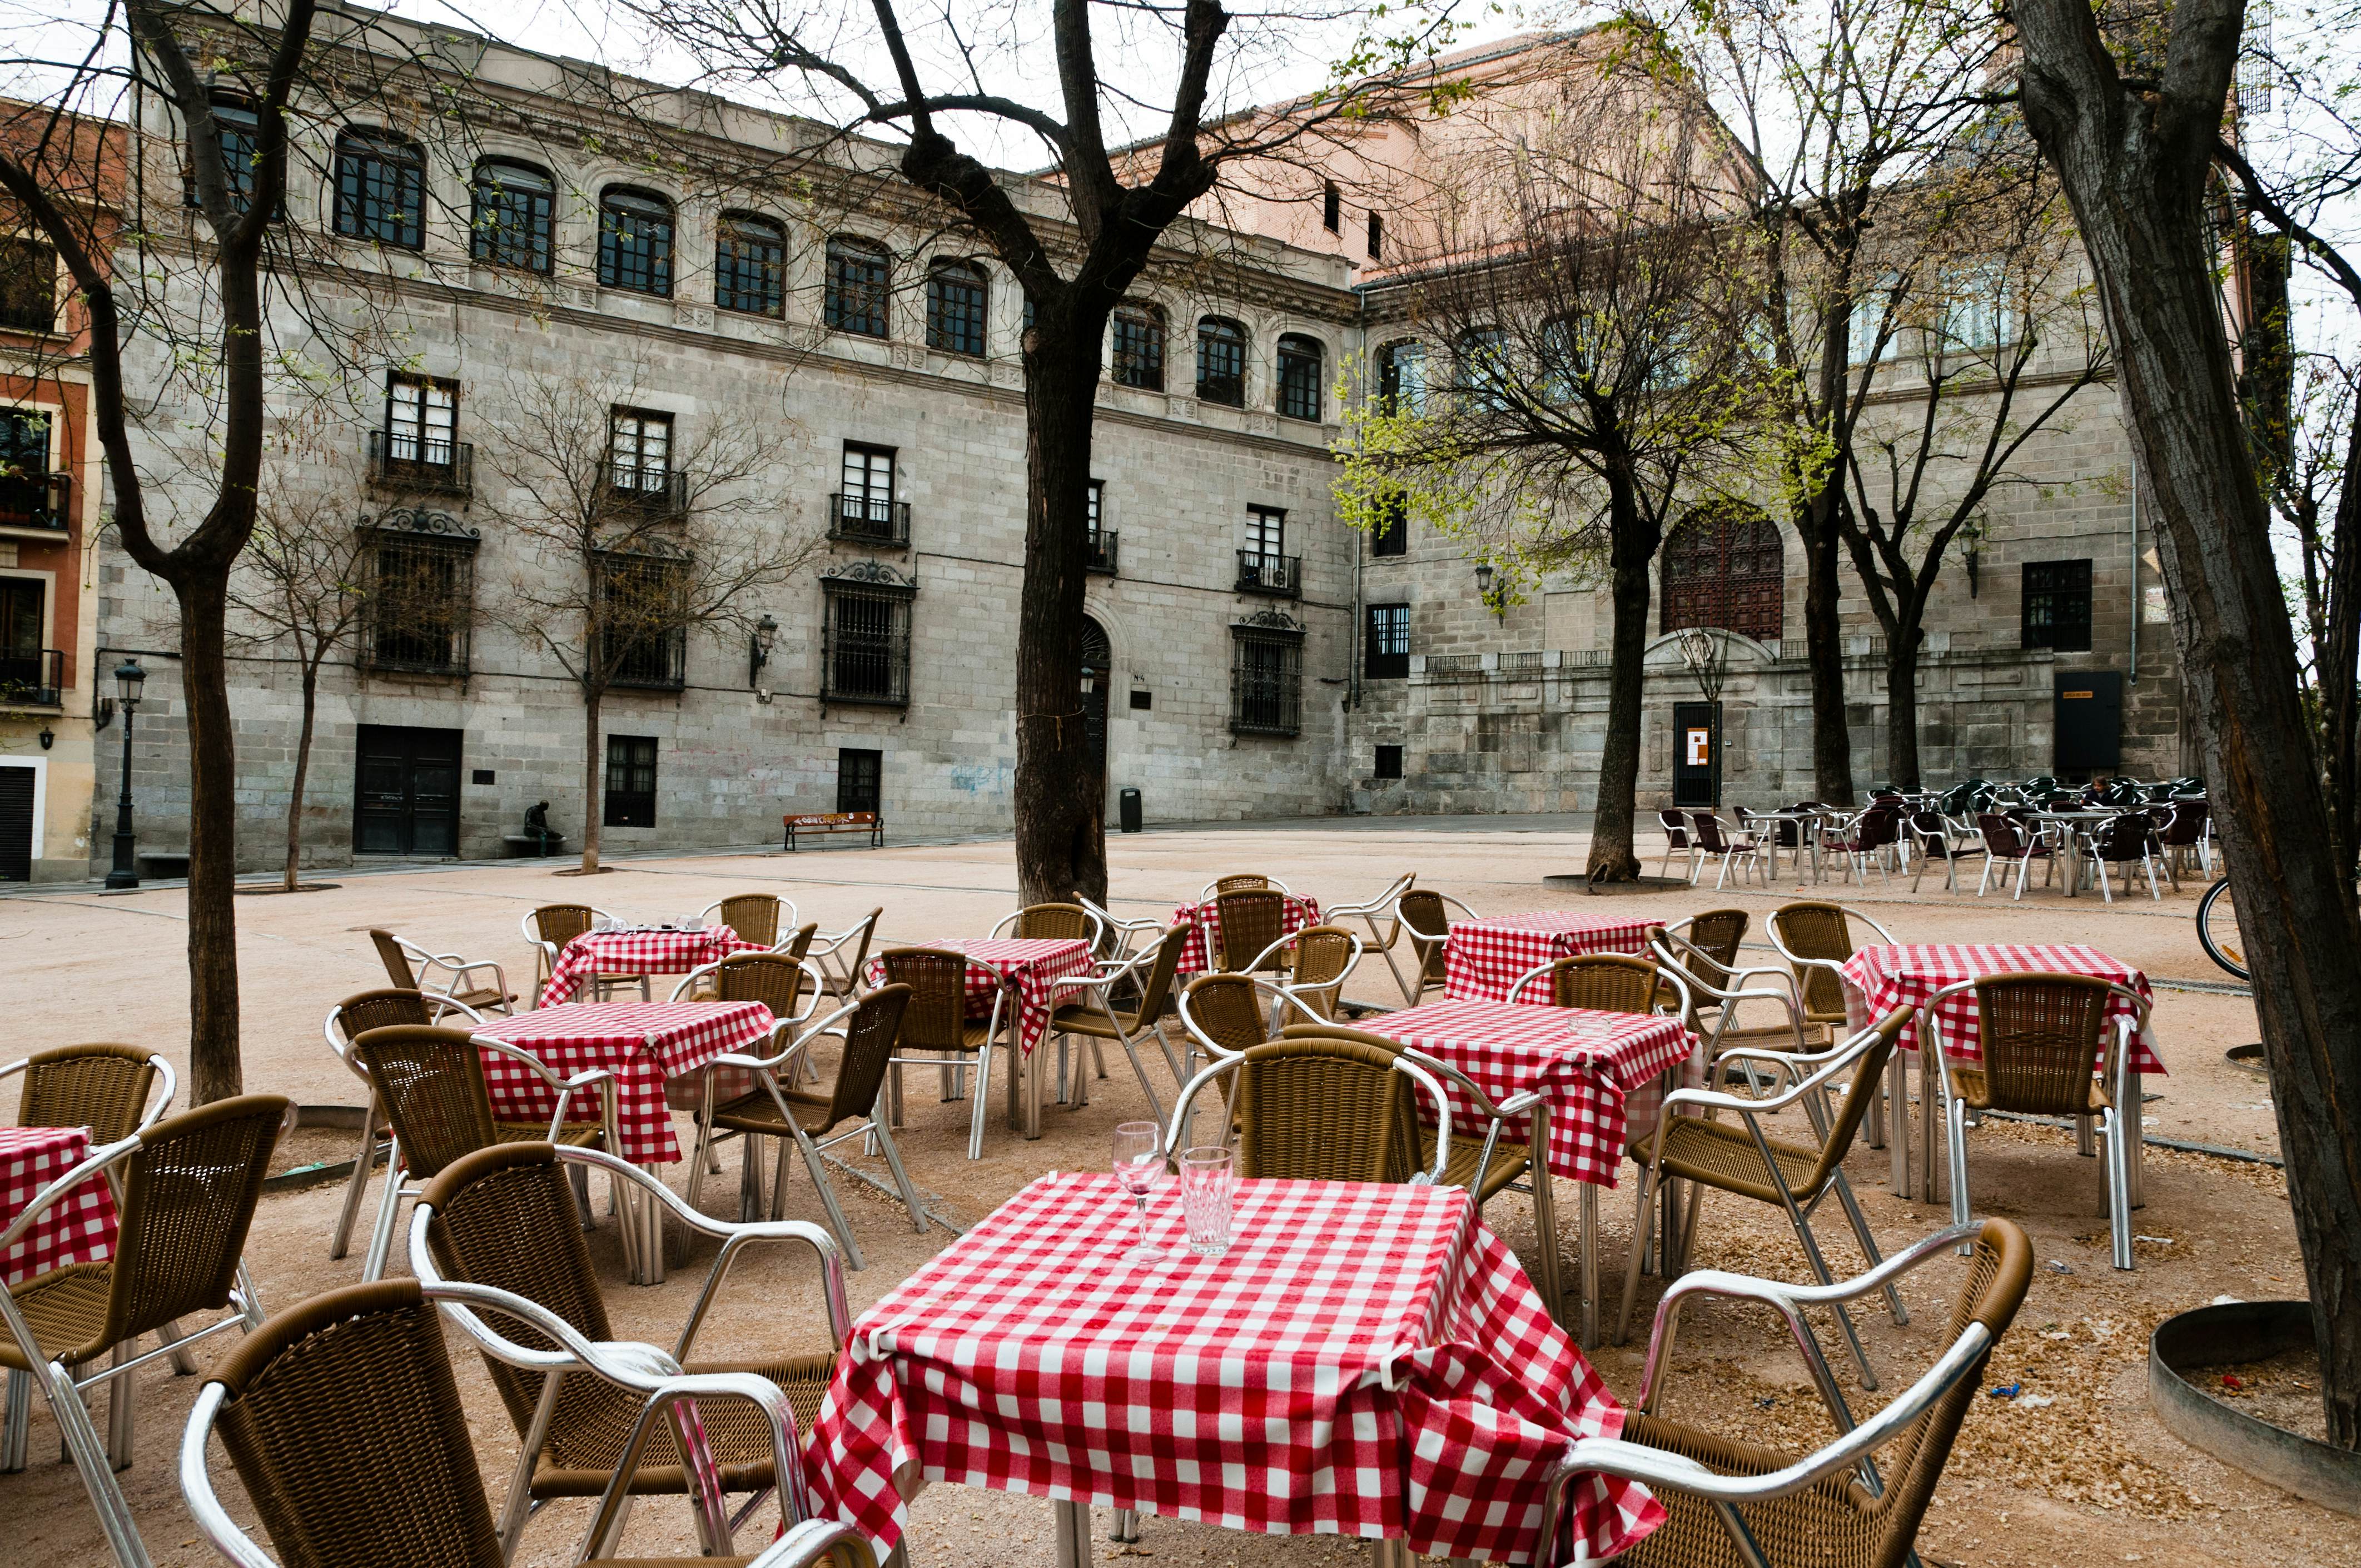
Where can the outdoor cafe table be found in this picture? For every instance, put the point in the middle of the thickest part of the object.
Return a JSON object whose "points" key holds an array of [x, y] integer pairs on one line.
{"points": [[1587, 1067], [1366, 1360], [1880, 979], [1205, 923], [1483, 957], [2077, 825], [638, 950], [643, 1044], [78, 1228], [1027, 969]]}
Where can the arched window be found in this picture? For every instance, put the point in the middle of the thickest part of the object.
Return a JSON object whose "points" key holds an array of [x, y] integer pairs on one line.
{"points": [[1222, 361], [1140, 347], [957, 293], [859, 275], [635, 238], [239, 127], [750, 265], [510, 226], [1402, 378], [380, 188], [1723, 567], [1298, 377]]}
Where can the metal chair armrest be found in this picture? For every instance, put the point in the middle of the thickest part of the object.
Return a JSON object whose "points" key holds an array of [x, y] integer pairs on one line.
{"points": [[1376, 905], [213, 1522], [807, 1545]]}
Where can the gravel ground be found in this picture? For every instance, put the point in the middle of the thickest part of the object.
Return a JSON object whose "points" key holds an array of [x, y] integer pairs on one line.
{"points": [[2075, 1468]]}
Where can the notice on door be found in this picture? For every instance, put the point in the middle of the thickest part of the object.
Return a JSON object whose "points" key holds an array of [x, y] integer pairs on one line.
{"points": [[1700, 746]]}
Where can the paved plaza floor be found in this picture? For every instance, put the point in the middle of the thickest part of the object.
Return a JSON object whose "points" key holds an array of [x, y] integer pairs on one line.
{"points": [[2090, 1475]]}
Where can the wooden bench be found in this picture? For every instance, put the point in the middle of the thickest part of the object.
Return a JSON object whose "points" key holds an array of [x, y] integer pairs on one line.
{"points": [[869, 822]]}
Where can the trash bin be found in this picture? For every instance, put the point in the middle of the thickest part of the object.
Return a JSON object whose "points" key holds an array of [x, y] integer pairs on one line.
{"points": [[1127, 806]]}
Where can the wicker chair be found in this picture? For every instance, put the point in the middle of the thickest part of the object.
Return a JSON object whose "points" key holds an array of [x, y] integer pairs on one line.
{"points": [[1425, 918], [841, 955], [1238, 882], [2044, 1052], [1249, 922], [1052, 923], [936, 1020], [1326, 1109], [109, 1088], [1605, 982], [1097, 1018], [798, 945], [1754, 1505], [770, 1110], [1815, 939], [1317, 960], [429, 1082], [187, 1187], [550, 928], [1741, 1159], [348, 1020], [401, 1483], [506, 1218], [754, 917], [1223, 1015], [412, 968], [1485, 1167]]}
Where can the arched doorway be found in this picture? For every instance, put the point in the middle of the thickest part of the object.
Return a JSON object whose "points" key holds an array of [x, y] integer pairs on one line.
{"points": [[1098, 675]]}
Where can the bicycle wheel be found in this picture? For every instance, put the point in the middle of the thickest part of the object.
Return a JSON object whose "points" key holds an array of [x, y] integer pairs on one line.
{"points": [[2217, 928]]}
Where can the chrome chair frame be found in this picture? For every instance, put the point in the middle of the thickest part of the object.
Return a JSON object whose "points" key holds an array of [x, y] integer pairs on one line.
{"points": [[340, 1241], [709, 1159], [1305, 995], [421, 962], [1420, 943], [827, 953], [545, 962], [150, 1113], [1097, 992], [790, 920]]}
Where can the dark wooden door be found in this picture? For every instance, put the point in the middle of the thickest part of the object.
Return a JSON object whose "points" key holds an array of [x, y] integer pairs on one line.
{"points": [[2087, 723], [1697, 754], [1098, 671], [15, 824], [406, 790]]}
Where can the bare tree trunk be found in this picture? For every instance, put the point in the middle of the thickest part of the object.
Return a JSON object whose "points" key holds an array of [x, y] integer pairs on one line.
{"points": [[2339, 671], [2135, 165], [1824, 648], [1902, 643], [213, 1070], [302, 768], [1633, 547], [591, 814], [1060, 806]]}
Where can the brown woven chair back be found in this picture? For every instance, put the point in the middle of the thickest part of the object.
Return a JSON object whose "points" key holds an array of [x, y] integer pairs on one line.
{"points": [[1717, 933], [869, 1038], [381, 1009], [505, 1217], [1835, 1522], [753, 915], [2041, 1037], [1157, 993], [189, 1194], [1607, 982], [1709, 832], [1321, 954], [774, 980], [1052, 923], [561, 923], [936, 1016], [102, 1087], [396, 962], [1322, 1109], [1813, 931], [1251, 919], [1227, 1008], [344, 1423], [431, 1083], [1240, 882], [1427, 912], [799, 946], [1860, 1098]]}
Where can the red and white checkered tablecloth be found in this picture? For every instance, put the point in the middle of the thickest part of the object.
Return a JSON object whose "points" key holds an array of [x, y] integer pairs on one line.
{"points": [[1483, 958], [1205, 923], [643, 1042], [77, 1228], [1590, 1064], [1024, 964], [1880, 979], [637, 952], [1366, 1360]]}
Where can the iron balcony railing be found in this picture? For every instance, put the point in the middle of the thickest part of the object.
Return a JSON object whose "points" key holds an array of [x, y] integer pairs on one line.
{"points": [[664, 494], [401, 462], [1103, 551], [869, 519], [36, 500], [656, 661], [35, 679], [1280, 576]]}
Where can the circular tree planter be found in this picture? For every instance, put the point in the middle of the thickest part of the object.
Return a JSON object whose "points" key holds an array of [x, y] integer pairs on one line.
{"points": [[2237, 1332]]}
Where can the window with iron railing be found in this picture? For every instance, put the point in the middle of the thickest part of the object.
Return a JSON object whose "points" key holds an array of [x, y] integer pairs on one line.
{"points": [[29, 674], [643, 626], [1267, 677], [865, 510], [1102, 539], [2057, 608], [639, 457], [865, 636], [418, 613], [32, 494], [1385, 656], [29, 285]]}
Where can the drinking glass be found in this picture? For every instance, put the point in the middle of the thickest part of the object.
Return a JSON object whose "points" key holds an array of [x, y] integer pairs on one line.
{"points": [[1208, 1189], [1139, 1168]]}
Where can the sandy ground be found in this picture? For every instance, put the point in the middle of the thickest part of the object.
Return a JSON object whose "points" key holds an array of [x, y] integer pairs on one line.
{"points": [[2088, 1476]]}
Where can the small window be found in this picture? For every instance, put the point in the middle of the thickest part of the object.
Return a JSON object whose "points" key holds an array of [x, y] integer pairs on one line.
{"points": [[511, 224], [858, 278], [1976, 313], [865, 508], [750, 265], [1298, 377], [421, 423], [1096, 501], [1401, 378], [1332, 207], [1391, 535], [860, 779], [1389, 764], [1870, 313], [631, 780], [1387, 656], [957, 293], [380, 188], [1267, 530], [1267, 678], [30, 497], [1140, 347], [1222, 361], [29, 285], [640, 451], [25, 674], [240, 130], [1377, 236], [1484, 368], [636, 239], [2057, 613]]}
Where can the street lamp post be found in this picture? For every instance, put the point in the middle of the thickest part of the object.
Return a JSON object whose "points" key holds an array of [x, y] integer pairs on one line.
{"points": [[128, 679]]}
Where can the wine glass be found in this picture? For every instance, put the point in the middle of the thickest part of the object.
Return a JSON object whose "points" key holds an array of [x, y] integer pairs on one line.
{"points": [[1139, 1168]]}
